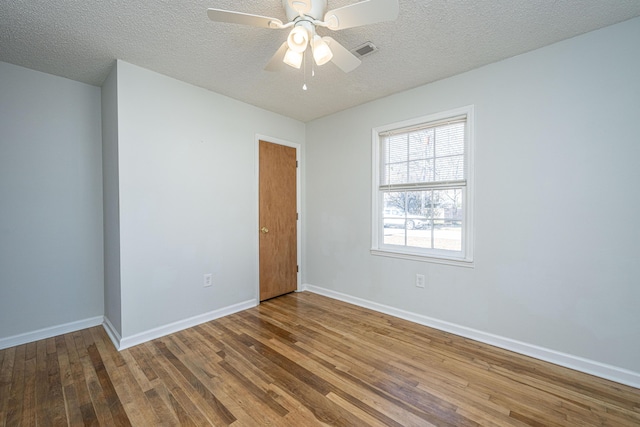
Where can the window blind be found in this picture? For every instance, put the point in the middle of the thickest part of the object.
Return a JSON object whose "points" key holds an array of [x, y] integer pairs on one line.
{"points": [[429, 156]]}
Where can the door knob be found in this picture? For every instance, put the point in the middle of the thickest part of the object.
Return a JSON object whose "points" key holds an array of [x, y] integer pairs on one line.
{"points": [[265, 230]]}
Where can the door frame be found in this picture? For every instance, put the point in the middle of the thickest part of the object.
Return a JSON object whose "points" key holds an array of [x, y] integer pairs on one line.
{"points": [[297, 147]]}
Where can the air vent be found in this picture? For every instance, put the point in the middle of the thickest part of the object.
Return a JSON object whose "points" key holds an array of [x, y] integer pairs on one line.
{"points": [[364, 50]]}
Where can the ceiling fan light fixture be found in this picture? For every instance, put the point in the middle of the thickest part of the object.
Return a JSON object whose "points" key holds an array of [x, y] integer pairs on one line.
{"points": [[303, 18], [321, 51], [298, 39], [293, 58]]}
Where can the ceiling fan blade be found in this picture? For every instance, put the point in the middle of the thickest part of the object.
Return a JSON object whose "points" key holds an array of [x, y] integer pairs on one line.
{"points": [[344, 59], [275, 63], [231, 17], [362, 13]]}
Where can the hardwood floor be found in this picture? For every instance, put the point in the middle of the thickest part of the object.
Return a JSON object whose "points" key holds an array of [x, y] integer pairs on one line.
{"points": [[299, 360]]}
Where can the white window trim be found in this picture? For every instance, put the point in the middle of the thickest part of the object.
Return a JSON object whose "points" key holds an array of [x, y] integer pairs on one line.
{"points": [[466, 260]]}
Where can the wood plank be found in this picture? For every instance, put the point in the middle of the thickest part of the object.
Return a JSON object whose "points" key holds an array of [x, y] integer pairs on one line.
{"points": [[143, 362], [72, 407], [69, 394], [319, 408], [129, 393], [137, 371], [28, 416], [186, 399], [385, 381], [223, 415], [111, 396], [361, 395], [14, 408], [83, 398], [258, 404], [31, 351], [299, 360], [42, 389], [337, 385], [166, 416], [97, 404], [6, 374]]}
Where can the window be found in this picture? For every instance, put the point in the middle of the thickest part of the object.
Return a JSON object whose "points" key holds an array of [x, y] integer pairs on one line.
{"points": [[422, 189]]}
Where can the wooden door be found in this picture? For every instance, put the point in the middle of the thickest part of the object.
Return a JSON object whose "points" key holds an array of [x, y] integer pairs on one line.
{"points": [[278, 220]]}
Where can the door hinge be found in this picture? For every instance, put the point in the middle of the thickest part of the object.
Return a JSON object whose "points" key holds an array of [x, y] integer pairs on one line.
{"points": [[296, 216], [296, 163], [297, 269]]}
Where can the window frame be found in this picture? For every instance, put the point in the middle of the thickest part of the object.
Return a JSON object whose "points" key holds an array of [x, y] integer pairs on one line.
{"points": [[463, 258]]}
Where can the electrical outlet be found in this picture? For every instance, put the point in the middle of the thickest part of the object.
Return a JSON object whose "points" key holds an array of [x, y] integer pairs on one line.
{"points": [[420, 280], [208, 280]]}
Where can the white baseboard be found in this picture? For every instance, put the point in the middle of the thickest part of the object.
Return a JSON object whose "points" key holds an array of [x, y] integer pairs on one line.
{"points": [[49, 332], [114, 336], [122, 343], [613, 373]]}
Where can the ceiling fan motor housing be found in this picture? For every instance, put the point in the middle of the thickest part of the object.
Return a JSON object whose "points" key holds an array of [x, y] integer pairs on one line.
{"points": [[312, 8]]}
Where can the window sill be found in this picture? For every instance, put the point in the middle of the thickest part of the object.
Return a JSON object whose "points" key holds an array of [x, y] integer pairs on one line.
{"points": [[460, 262]]}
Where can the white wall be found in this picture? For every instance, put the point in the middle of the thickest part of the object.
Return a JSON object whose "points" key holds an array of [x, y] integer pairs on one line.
{"points": [[51, 270], [557, 175], [188, 197], [111, 203]]}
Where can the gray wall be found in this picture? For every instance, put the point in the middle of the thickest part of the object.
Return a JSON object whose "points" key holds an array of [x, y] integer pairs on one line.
{"points": [[556, 213], [111, 202], [188, 197], [51, 269]]}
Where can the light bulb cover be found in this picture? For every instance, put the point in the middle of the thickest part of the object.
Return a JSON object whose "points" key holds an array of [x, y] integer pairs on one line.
{"points": [[293, 58], [298, 39], [321, 51]]}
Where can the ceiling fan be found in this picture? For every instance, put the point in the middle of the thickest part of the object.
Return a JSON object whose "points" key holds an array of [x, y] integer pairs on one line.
{"points": [[304, 17]]}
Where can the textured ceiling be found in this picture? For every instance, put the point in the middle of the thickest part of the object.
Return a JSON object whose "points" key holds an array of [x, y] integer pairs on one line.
{"points": [[429, 41]]}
